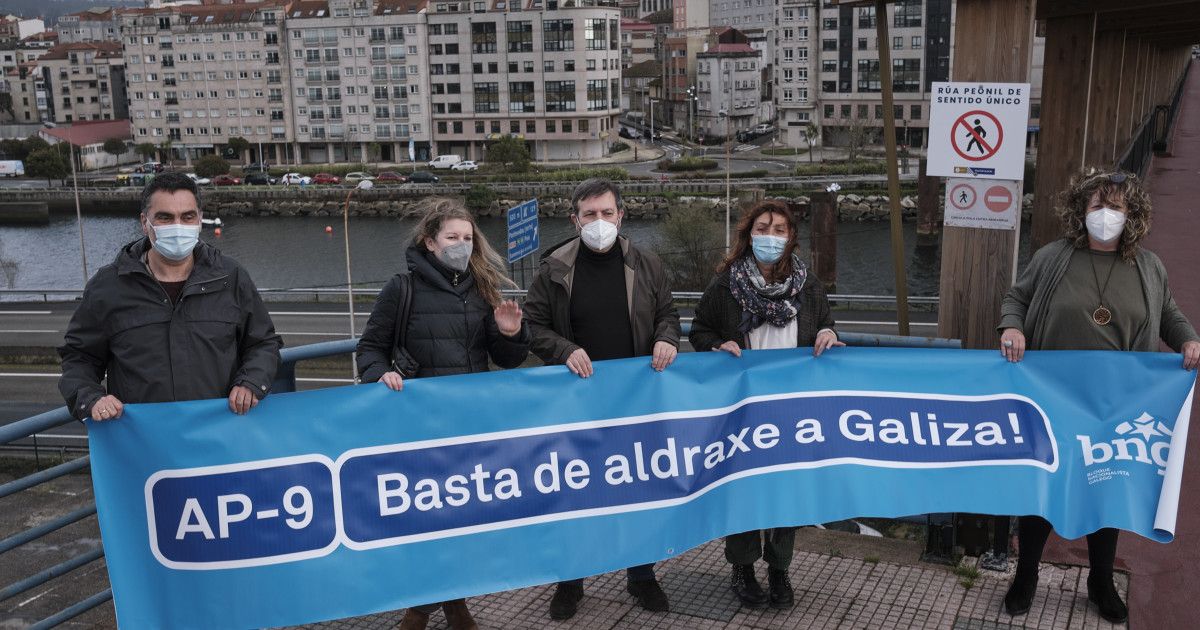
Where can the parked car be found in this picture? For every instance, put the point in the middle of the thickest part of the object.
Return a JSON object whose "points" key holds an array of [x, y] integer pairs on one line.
{"points": [[134, 179], [258, 178], [465, 165], [256, 166], [149, 167], [423, 177], [200, 181], [444, 161], [391, 176], [763, 129], [626, 132], [357, 176], [225, 180], [326, 178], [295, 178]]}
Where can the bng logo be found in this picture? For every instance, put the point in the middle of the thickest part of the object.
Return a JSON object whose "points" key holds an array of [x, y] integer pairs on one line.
{"points": [[1143, 440]]}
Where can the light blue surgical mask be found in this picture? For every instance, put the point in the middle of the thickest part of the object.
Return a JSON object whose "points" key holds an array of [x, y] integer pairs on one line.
{"points": [[767, 249], [176, 241]]}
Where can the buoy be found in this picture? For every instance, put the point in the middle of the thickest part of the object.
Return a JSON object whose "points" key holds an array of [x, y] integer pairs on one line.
{"points": [[329, 229], [217, 231]]}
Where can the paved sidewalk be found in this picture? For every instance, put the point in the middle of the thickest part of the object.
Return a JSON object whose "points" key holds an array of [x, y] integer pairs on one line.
{"points": [[832, 591]]}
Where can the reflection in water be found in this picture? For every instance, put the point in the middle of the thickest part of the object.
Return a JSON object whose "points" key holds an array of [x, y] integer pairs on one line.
{"points": [[288, 252]]}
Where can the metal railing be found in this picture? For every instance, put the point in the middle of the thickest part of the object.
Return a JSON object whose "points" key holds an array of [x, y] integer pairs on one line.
{"points": [[284, 382], [1154, 134]]}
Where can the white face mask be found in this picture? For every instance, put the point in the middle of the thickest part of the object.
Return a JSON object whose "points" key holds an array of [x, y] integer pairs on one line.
{"points": [[176, 241], [599, 235], [1105, 225]]}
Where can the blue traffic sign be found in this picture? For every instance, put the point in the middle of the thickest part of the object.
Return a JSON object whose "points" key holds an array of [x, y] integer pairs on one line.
{"points": [[522, 230]]}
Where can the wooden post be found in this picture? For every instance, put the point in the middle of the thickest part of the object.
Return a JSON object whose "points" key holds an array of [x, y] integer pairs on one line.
{"points": [[928, 218], [889, 141], [1106, 83], [823, 206], [994, 38], [1066, 90]]}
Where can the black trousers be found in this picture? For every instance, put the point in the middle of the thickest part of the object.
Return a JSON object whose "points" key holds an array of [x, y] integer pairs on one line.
{"points": [[1034, 530]]}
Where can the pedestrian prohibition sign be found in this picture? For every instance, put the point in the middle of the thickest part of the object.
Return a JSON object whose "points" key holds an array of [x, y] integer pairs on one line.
{"points": [[977, 135], [989, 204], [977, 130]]}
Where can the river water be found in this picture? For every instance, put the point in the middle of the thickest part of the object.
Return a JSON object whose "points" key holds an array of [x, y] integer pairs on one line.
{"points": [[291, 252]]}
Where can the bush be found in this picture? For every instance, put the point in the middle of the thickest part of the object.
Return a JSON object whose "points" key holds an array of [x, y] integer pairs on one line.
{"points": [[784, 151], [755, 174], [692, 244], [618, 147], [688, 164], [47, 163], [563, 175], [857, 167], [480, 197], [211, 165]]}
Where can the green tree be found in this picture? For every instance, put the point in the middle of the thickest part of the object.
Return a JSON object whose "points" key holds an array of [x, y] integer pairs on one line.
{"points": [[115, 147], [145, 149], [13, 149], [165, 147], [691, 246], [374, 150], [211, 165], [811, 132], [6, 104], [239, 145], [34, 143], [510, 152], [480, 197], [47, 163]]}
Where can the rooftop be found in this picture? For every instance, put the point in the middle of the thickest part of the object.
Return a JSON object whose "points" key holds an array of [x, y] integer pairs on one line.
{"points": [[84, 133]]}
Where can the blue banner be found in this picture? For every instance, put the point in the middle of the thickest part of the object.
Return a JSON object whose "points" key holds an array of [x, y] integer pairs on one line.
{"points": [[331, 503]]}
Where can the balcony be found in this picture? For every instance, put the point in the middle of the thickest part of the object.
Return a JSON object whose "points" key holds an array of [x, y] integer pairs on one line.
{"points": [[172, 101], [169, 82], [274, 99], [165, 46]]}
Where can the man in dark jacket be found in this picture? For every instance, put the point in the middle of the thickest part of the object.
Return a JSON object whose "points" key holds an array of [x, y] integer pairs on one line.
{"points": [[170, 319], [599, 297]]}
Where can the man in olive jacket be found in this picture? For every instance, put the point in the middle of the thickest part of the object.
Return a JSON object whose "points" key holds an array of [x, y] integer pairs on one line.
{"points": [[170, 319], [599, 297]]}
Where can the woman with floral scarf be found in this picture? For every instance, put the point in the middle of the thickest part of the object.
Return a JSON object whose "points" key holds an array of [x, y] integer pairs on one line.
{"points": [[762, 299]]}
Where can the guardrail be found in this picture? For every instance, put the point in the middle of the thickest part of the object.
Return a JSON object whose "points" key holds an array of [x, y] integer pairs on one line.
{"points": [[335, 292], [285, 382]]}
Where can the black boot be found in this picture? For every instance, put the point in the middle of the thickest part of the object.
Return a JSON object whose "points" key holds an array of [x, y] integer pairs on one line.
{"points": [[565, 602], [1103, 593], [1020, 595], [746, 586], [649, 595], [780, 587]]}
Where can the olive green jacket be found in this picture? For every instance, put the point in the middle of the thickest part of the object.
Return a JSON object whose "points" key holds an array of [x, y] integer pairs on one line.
{"points": [[1027, 304]]}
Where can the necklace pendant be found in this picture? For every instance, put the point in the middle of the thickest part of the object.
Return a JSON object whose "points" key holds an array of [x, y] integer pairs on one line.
{"points": [[1102, 316]]}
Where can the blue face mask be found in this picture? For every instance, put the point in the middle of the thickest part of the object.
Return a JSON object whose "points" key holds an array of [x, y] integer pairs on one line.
{"points": [[767, 249], [175, 241]]}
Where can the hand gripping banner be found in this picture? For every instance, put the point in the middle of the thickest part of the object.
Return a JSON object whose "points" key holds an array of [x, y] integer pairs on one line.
{"points": [[325, 504]]}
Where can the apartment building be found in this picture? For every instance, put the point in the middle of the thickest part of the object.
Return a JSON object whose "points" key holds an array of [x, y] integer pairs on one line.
{"points": [[359, 75], [728, 78], [84, 81], [639, 42], [793, 76], [29, 95], [200, 75], [543, 71], [850, 98], [97, 24]]}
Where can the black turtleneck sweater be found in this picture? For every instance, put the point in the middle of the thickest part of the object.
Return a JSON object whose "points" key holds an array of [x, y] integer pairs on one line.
{"points": [[599, 309]]}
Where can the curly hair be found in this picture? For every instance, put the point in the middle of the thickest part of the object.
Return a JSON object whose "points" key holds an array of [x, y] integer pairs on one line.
{"points": [[741, 236], [486, 265], [1114, 187]]}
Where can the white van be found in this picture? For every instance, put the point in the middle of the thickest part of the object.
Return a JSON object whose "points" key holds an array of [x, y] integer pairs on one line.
{"points": [[12, 168], [445, 161]]}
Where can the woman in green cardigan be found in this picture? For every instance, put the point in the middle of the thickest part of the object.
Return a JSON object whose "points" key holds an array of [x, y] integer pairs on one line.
{"points": [[1094, 289]]}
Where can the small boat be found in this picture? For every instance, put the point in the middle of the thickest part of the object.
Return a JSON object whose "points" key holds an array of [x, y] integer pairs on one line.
{"points": [[215, 221]]}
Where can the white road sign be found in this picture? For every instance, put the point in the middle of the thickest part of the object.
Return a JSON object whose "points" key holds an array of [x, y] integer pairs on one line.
{"points": [[983, 203], [978, 130]]}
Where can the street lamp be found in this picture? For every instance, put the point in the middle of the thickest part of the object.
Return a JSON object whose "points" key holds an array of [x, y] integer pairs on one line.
{"points": [[691, 101], [652, 102], [728, 189]]}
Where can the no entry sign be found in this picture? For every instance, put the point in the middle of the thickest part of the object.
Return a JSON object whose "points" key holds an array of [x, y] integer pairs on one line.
{"points": [[991, 204], [978, 130]]}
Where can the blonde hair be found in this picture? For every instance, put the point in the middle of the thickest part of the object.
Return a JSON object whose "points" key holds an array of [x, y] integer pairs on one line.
{"points": [[1112, 186], [485, 264]]}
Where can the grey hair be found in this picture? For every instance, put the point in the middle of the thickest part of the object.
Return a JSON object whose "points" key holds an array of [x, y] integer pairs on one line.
{"points": [[170, 182], [594, 187]]}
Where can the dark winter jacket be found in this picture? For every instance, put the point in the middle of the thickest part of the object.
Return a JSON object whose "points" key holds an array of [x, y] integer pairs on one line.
{"points": [[719, 317], [652, 315], [451, 329], [127, 333]]}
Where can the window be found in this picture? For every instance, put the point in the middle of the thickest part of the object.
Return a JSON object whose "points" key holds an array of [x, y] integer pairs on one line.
{"points": [[866, 17], [915, 112], [829, 24], [829, 65], [829, 45], [597, 95], [487, 96], [897, 42], [829, 111], [868, 75], [551, 126], [520, 97], [520, 37], [560, 96], [907, 14], [594, 33], [483, 38], [906, 75], [566, 126], [916, 41]]}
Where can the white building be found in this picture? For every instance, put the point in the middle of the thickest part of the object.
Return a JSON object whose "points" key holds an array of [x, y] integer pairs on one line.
{"points": [[728, 75]]}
